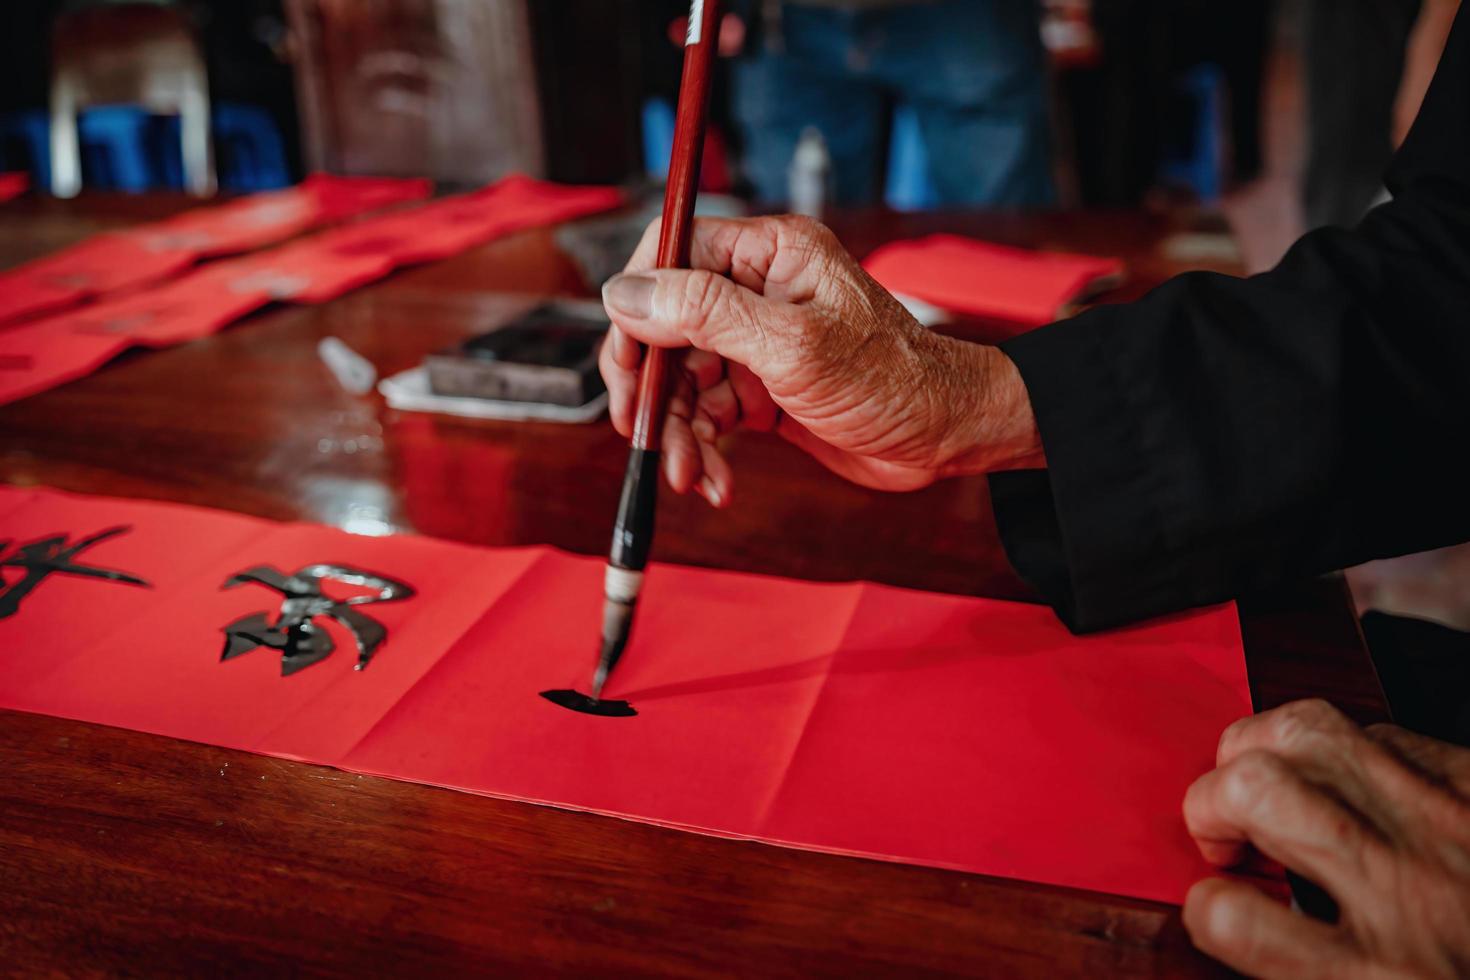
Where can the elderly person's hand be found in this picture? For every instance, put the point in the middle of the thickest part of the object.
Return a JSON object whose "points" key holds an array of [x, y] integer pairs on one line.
{"points": [[1379, 818], [789, 333]]}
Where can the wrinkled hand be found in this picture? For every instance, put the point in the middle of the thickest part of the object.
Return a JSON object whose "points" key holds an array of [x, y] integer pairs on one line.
{"points": [[1380, 818], [789, 333]]}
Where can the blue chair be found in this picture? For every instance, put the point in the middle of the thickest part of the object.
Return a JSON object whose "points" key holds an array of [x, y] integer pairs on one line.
{"points": [[31, 131], [126, 148], [248, 150], [909, 186], [115, 148], [111, 143], [248, 146], [143, 58]]}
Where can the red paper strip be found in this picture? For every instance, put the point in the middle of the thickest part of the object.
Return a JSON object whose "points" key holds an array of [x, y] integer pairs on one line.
{"points": [[852, 718], [128, 259], [41, 355], [13, 185], [983, 279]]}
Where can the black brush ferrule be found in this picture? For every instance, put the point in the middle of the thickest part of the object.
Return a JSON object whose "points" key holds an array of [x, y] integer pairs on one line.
{"points": [[633, 531]]}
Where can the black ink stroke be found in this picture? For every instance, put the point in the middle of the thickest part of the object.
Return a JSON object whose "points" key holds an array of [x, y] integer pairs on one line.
{"points": [[295, 633], [52, 555]]}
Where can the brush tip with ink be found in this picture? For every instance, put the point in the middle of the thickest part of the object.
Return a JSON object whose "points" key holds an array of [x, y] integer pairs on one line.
{"points": [[620, 597]]}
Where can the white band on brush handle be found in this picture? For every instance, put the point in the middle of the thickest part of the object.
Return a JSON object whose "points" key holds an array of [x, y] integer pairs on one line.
{"points": [[621, 584], [696, 23]]}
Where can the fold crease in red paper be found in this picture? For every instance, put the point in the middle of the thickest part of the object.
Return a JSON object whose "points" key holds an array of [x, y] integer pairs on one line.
{"points": [[852, 718]]}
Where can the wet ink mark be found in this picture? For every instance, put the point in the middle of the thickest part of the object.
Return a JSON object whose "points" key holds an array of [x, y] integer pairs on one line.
{"points": [[302, 641], [53, 556], [587, 705]]}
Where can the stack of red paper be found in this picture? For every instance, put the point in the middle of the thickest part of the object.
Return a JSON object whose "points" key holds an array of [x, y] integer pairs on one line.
{"points": [[995, 281], [128, 259], [41, 354], [853, 718]]}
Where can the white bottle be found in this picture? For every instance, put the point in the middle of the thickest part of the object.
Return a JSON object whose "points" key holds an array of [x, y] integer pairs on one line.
{"points": [[811, 167]]}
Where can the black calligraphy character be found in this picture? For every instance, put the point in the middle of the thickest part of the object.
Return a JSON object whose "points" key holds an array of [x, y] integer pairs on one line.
{"points": [[302, 641], [53, 556]]}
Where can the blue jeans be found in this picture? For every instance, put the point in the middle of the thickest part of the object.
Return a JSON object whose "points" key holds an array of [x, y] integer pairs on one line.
{"points": [[973, 71]]}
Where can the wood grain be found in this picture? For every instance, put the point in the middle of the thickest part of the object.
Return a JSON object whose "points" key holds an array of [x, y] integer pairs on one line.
{"points": [[123, 853]]}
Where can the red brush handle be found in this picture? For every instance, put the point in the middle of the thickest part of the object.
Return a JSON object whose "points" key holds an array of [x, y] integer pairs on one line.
{"points": [[677, 227]]}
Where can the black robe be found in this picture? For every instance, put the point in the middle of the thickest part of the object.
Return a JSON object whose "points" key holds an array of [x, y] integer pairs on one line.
{"points": [[1224, 434]]}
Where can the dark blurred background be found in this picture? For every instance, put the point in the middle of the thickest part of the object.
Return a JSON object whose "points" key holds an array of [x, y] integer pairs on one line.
{"points": [[1278, 115]]}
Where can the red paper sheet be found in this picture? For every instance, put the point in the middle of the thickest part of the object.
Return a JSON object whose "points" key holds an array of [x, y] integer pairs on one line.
{"points": [[853, 718], [983, 279], [13, 185], [128, 259], [39, 355]]}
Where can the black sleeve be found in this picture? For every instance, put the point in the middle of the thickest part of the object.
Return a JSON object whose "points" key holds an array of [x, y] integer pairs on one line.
{"points": [[1224, 434]]}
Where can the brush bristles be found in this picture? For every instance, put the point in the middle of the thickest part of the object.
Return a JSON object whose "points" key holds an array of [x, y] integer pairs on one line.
{"points": [[617, 622]]}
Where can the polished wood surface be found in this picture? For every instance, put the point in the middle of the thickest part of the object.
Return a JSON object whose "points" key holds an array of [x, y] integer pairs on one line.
{"points": [[128, 853]]}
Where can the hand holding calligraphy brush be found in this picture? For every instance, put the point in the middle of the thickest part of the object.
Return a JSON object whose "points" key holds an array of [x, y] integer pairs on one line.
{"points": [[633, 532]]}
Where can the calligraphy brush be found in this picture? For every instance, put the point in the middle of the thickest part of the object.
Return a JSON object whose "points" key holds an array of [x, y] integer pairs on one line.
{"points": [[633, 531]]}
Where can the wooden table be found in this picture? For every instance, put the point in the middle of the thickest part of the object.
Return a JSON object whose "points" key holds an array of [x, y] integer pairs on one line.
{"points": [[128, 853]]}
